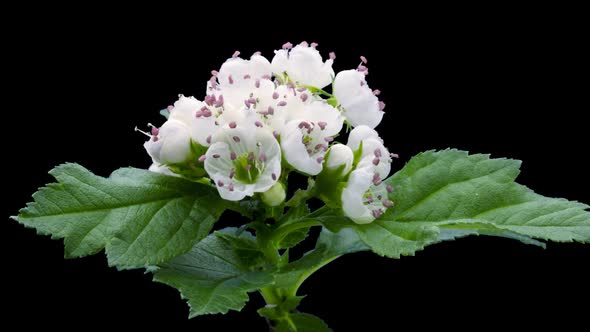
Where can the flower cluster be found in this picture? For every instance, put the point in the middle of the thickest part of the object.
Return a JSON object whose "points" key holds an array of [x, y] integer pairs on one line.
{"points": [[260, 120]]}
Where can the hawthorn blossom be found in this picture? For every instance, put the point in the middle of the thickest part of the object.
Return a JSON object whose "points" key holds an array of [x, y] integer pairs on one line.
{"points": [[197, 116], [169, 144], [304, 65], [365, 197], [360, 104], [242, 160], [305, 140]]}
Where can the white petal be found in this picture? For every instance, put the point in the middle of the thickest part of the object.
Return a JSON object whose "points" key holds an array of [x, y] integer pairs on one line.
{"points": [[280, 62], [295, 151], [361, 133], [339, 155], [361, 106], [320, 111], [307, 68], [304, 65], [352, 197], [173, 144]]}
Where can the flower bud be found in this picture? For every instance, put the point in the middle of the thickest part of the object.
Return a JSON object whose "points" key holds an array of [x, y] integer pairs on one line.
{"points": [[171, 145], [338, 156], [275, 195]]}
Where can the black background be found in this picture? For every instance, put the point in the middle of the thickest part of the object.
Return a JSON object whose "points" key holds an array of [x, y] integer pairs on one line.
{"points": [[501, 82]]}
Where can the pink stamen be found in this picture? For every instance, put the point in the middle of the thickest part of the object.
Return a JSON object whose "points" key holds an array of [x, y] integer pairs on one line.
{"points": [[155, 131], [214, 72], [219, 102], [275, 95], [248, 167], [377, 153], [314, 45], [377, 213], [236, 139], [251, 156], [247, 76], [304, 43], [389, 188], [275, 134], [322, 125], [394, 155], [232, 155], [274, 176], [319, 159], [328, 139], [262, 157], [232, 173], [381, 105], [363, 69], [208, 140], [266, 77], [376, 179], [282, 103], [303, 97], [235, 55], [287, 46], [202, 158], [301, 89], [257, 84], [364, 60], [270, 110], [258, 124], [332, 55], [220, 183], [376, 92], [216, 156], [231, 186], [376, 161], [232, 124], [257, 53], [387, 203]]}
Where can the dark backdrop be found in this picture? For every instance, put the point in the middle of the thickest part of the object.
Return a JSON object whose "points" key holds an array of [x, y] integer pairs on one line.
{"points": [[505, 84]]}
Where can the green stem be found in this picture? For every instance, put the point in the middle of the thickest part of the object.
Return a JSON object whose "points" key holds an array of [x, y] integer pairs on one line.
{"points": [[280, 233]]}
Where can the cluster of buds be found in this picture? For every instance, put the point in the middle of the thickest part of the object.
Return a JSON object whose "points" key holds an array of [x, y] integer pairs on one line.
{"points": [[260, 120]]}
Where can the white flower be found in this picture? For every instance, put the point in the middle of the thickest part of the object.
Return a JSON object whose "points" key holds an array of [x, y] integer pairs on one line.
{"points": [[170, 144], [237, 79], [365, 198], [197, 116], [304, 65], [338, 156], [374, 154], [243, 159], [305, 139], [361, 106]]}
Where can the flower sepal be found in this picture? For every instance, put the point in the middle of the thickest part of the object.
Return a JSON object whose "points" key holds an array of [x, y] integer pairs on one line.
{"points": [[193, 167]]}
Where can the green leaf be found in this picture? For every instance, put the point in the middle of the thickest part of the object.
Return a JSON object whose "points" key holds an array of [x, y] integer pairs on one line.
{"points": [[385, 237], [329, 246], [215, 276], [141, 218], [465, 194], [293, 238], [301, 322]]}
